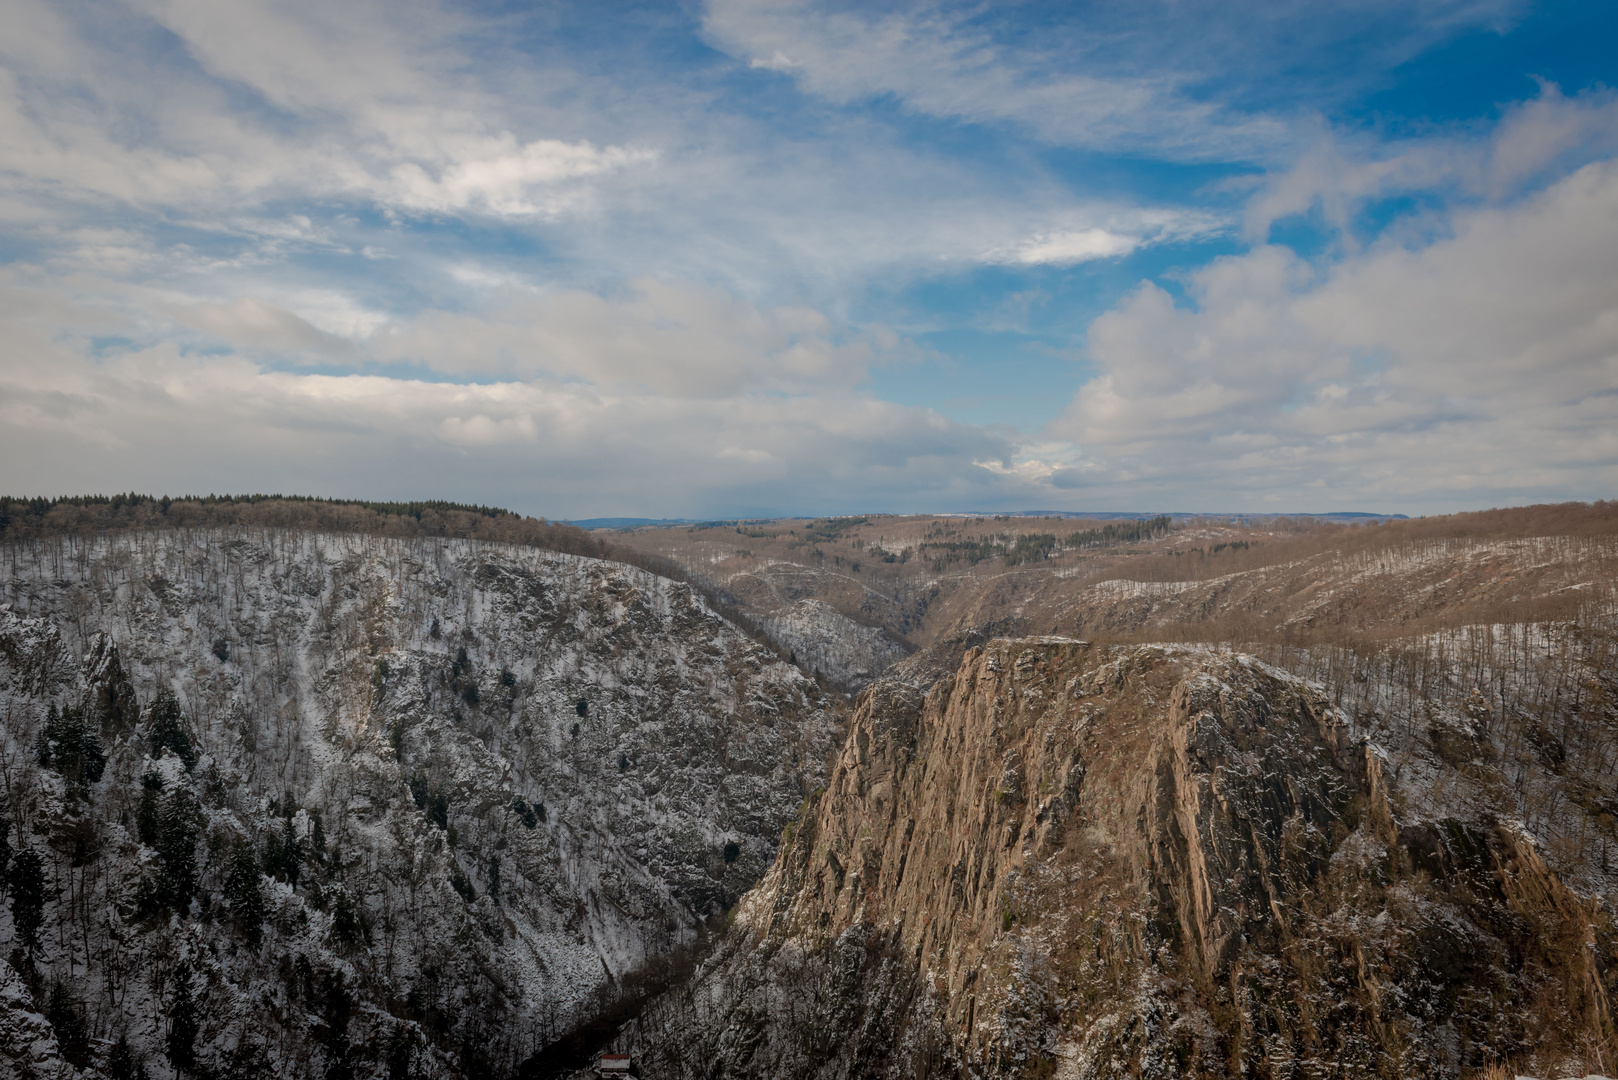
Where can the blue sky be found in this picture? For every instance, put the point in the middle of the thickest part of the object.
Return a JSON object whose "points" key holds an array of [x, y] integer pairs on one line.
{"points": [[700, 259]]}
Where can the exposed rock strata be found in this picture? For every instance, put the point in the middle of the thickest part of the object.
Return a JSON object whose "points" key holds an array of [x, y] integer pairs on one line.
{"points": [[1152, 862]]}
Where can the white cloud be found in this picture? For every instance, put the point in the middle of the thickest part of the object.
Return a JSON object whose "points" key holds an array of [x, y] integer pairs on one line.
{"points": [[1546, 136], [654, 300], [499, 176], [307, 321], [1067, 248], [290, 114], [360, 100], [254, 324], [1124, 231], [158, 420], [778, 61], [1042, 464], [666, 399], [1480, 366], [664, 336], [941, 62]]}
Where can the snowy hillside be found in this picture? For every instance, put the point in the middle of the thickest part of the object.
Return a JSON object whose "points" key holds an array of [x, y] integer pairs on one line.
{"points": [[829, 643], [469, 785]]}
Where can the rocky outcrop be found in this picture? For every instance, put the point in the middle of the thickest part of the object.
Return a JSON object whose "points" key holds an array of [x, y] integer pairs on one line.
{"points": [[822, 640], [1156, 862], [472, 786]]}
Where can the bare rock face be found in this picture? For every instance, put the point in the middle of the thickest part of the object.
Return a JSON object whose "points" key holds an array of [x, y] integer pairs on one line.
{"points": [[1147, 861], [355, 804], [823, 640]]}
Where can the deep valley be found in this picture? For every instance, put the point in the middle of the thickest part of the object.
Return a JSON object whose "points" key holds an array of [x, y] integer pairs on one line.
{"points": [[339, 792]]}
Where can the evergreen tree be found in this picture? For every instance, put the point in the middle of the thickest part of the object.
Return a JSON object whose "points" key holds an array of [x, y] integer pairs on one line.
{"points": [[177, 846], [244, 894], [317, 838], [28, 897], [5, 842], [337, 1005], [168, 730], [346, 923], [249, 1061], [122, 1063], [148, 812], [400, 1051], [69, 745], [273, 855], [71, 1035], [291, 852], [185, 1020]]}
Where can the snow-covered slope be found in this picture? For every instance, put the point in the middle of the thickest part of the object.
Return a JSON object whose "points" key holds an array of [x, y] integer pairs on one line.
{"points": [[829, 643], [512, 775]]}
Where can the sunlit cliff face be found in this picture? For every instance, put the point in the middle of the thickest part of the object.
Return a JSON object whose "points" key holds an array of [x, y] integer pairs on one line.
{"points": [[1075, 861]]}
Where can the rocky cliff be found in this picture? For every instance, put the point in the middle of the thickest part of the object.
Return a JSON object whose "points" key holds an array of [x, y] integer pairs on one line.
{"points": [[822, 640], [1172, 861], [284, 803]]}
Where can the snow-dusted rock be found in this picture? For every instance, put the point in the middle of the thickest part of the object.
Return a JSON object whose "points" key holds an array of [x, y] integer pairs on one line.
{"points": [[408, 712]]}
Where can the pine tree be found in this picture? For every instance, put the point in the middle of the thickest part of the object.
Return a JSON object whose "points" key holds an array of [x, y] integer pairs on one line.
{"points": [[273, 855], [71, 1035], [122, 1063], [249, 1061], [244, 894], [291, 852], [28, 897], [148, 812], [400, 1052], [168, 730], [69, 745], [5, 842], [317, 838], [346, 923], [337, 1005], [184, 1020], [177, 845]]}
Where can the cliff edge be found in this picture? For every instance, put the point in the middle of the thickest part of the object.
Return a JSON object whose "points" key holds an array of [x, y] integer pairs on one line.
{"points": [[1159, 862]]}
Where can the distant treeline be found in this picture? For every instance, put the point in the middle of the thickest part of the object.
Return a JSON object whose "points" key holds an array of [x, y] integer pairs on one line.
{"points": [[80, 514], [1571, 519], [1033, 547]]}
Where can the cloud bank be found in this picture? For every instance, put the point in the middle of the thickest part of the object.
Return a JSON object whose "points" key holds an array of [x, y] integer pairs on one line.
{"points": [[709, 265], [1483, 362]]}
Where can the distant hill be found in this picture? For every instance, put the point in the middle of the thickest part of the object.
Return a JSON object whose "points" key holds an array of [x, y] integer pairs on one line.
{"points": [[1341, 517], [1142, 515], [627, 522]]}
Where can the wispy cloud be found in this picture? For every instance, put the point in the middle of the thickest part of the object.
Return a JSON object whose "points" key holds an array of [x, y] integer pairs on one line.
{"points": [[943, 62], [412, 247], [1543, 137], [1123, 233], [277, 100]]}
